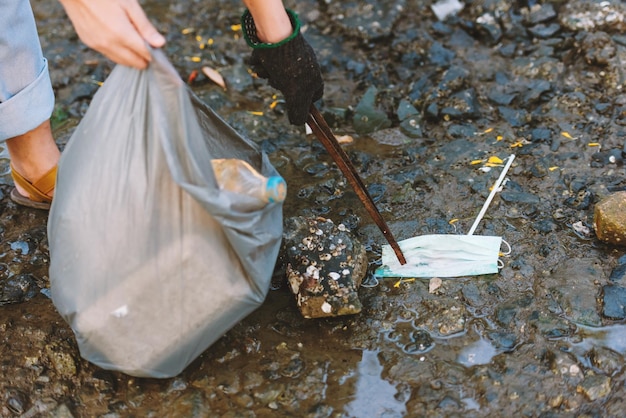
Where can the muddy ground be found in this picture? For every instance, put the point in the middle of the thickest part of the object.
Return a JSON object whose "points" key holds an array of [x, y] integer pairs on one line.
{"points": [[541, 80]]}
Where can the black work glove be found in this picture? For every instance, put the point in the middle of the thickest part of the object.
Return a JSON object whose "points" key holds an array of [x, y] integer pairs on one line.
{"points": [[289, 66]]}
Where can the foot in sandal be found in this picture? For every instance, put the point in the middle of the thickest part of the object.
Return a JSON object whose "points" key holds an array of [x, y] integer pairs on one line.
{"points": [[36, 194], [34, 157]]}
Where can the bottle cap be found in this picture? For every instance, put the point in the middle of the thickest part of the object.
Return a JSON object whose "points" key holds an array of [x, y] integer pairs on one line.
{"points": [[276, 189]]}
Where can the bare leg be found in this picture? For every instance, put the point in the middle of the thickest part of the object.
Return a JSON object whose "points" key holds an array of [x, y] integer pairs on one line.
{"points": [[34, 153]]}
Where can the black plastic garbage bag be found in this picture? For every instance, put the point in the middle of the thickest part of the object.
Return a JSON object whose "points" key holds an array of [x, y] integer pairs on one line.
{"points": [[150, 262]]}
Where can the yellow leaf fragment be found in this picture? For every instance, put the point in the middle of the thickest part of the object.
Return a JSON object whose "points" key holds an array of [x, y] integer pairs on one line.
{"points": [[453, 221], [594, 144], [517, 144], [566, 135], [474, 162], [214, 76], [194, 59], [256, 113], [235, 28], [187, 31], [553, 168], [210, 41], [399, 282], [273, 104], [486, 131], [499, 138], [495, 160]]}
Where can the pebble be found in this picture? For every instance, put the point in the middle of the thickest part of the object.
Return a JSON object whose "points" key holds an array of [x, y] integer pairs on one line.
{"points": [[614, 302], [62, 360], [609, 219], [17, 289], [595, 387]]}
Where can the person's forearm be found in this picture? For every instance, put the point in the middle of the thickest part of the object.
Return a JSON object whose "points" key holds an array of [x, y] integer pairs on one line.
{"points": [[271, 20]]}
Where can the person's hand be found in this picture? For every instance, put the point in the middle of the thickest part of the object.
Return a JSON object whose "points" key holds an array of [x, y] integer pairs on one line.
{"points": [[118, 29], [289, 66]]}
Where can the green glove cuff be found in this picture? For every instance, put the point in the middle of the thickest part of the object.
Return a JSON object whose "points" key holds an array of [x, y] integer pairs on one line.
{"points": [[250, 35]]}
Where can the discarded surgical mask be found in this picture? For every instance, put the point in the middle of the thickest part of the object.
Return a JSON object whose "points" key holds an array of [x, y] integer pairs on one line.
{"points": [[441, 255]]}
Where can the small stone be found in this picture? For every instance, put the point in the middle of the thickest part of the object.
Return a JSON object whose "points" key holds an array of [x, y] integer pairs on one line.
{"points": [[62, 411], [595, 387], [62, 360], [614, 302], [609, 219], [326, 308], [556, 401], [16, 401]]}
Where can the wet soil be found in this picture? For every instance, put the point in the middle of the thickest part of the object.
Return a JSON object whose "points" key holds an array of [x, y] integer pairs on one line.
{"points": [[536, 339]]}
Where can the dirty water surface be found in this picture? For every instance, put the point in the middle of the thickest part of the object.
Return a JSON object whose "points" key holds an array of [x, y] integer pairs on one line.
{"points": [[428, 110]]}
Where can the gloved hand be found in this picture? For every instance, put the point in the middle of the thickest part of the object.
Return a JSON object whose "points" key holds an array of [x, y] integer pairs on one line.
{"points": [[289, 66]]}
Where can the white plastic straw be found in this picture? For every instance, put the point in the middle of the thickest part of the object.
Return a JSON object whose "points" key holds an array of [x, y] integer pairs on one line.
{"points": [[494, 190]]}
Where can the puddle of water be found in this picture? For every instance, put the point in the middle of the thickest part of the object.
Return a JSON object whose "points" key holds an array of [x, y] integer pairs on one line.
{"points": [[471, 404], [479, 352], [20, 245], [373, 396], [612, 337]]}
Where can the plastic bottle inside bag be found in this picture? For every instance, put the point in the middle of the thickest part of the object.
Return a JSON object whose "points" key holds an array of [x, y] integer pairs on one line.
{"points": [[238, 176]]}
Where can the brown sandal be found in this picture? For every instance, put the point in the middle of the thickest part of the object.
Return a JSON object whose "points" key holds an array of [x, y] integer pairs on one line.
{"points": [[37, 192]]}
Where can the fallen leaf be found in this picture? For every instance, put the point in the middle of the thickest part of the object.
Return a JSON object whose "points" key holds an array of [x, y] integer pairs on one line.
{"points": [[214, 76], [434, 284]]}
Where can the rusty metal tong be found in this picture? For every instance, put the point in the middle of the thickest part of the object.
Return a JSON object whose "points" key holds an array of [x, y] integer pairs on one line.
{"points": [[321, 130]]}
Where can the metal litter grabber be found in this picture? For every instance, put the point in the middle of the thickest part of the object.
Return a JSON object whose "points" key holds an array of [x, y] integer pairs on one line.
{"points": [[447, 255], [321, 130]]}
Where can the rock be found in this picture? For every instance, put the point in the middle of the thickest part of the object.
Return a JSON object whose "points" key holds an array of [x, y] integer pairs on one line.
{"points": [[540, 13], [366, 19], [62, 411], [325, 266], [41, 407], [62, 359], [598, 48], [614, 302], [572, 289], [551, 325], [619, 272], [410, 119], [606, 360], [16, 401], [446, 316], [593, 16], [17, 289], [595, 387], [367, 117], [609, 219]]}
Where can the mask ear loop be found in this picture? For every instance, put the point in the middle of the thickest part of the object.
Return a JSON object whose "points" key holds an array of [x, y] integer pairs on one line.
{"points": [[368, 285], [504, 254]]}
